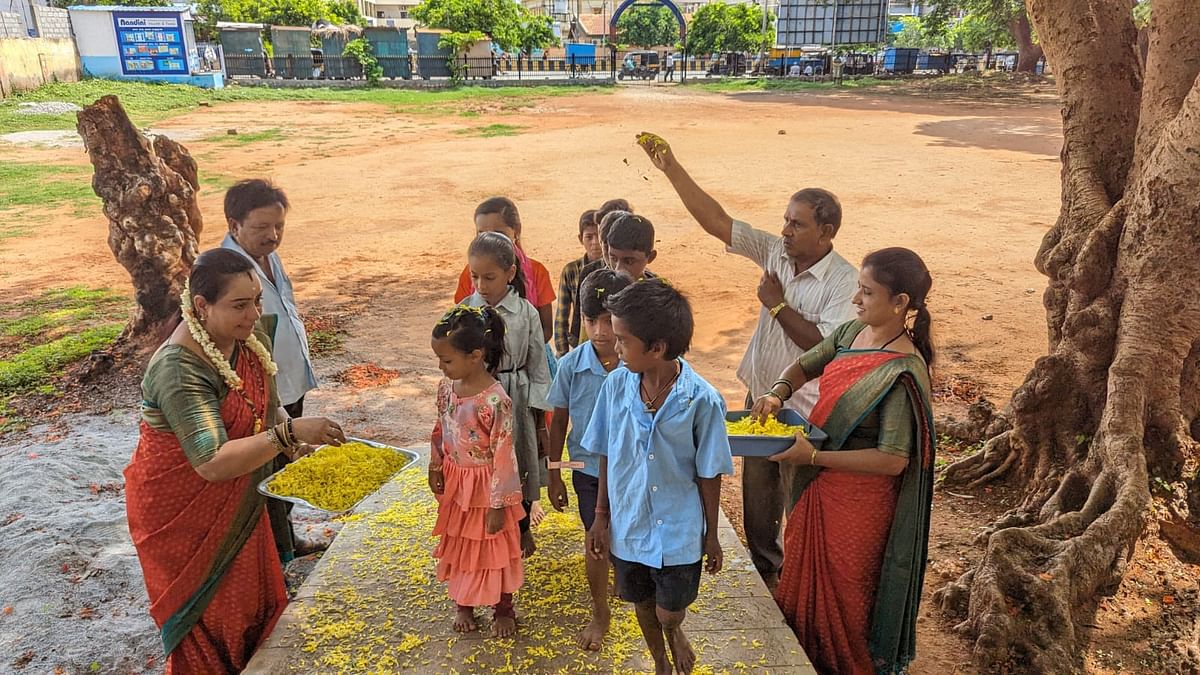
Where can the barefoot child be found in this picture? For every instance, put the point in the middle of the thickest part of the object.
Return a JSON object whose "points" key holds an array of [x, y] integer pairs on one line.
{"points": [[566, 315], [581, 373], [659, 429], [473, 471], [524, 372]]}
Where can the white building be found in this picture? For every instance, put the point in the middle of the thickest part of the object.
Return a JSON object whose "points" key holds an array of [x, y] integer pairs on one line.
{"points": [[395, 13]]}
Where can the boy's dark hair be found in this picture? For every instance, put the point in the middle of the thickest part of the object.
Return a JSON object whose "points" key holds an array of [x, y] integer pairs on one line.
{"points": [[502, 250], [604, 222], [827, 210], [254, 193], [610, 206], [628, 232], [504, 206], [597, 287], [587, 219], [655, 312], [471, 328]]}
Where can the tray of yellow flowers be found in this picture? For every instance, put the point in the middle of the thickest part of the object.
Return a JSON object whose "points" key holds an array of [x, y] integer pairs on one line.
{"points": [[337, 478], [749, 437]]}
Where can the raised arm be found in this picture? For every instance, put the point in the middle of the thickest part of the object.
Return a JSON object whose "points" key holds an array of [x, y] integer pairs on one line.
{"points": [[706, 210]]}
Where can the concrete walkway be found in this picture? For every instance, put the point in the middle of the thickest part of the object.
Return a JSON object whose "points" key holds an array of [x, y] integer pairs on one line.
{"points": [[372, 604]]}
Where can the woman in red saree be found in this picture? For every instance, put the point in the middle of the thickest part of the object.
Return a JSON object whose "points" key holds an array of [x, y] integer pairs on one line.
{"points": [[211, 426], [856, 540]]}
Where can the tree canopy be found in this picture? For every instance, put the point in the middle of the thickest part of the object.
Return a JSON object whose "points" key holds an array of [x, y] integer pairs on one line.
{"points": [[719, 27], [647, 26], [270, 12], [509, 25]]}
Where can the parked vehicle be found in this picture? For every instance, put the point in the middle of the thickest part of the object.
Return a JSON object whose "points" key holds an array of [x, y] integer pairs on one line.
{"points": [[641, 65], [728, 64]]}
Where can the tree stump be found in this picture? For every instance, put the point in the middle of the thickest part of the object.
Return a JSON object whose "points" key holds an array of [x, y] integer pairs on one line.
{"points": [[149, 193], [1115, 405]]}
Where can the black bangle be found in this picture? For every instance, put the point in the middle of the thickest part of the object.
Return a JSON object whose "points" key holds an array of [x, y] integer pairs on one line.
{"points": [[788, 384]]}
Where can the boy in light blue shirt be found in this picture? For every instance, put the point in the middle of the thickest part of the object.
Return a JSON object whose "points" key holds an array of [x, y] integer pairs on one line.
{"points": [[659, 430], [581, 373]]}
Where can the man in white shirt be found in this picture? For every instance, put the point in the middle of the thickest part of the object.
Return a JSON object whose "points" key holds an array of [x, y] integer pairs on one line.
{"points": [[669, 74], [256, 212], [805, 292]]}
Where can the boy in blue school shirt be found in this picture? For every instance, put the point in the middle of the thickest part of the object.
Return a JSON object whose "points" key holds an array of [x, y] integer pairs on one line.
{"points": [[581, 373], [659, 430]]}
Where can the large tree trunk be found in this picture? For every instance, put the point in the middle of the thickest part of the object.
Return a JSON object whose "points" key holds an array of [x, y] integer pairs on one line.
{"points": [[1028, 51], [1117, 398], [149, 193]]}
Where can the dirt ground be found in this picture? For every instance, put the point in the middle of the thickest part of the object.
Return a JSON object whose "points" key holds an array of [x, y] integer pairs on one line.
{"points": [[381, 216]]}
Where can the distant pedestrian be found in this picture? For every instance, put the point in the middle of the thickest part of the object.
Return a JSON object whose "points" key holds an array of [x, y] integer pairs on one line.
{"points": [[670, 72]]}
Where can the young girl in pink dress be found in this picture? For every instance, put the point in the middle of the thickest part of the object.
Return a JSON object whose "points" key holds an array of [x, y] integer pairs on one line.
{"points": [[473, 471]]}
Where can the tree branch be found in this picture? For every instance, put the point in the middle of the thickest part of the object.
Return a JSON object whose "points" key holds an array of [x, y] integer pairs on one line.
{"points": [[1099, 130], [1172, 66]]}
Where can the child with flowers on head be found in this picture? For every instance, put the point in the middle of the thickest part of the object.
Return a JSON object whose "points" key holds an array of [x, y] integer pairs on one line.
{"points": [[473, 471]]}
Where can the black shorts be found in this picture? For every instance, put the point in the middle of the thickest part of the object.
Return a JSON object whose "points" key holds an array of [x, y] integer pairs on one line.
{"points": [[673, 587], [586, 489]]}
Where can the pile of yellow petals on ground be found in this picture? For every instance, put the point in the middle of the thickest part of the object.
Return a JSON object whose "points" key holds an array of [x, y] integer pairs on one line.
{"points": [[381, 609], [749, 426], [337, 478]]}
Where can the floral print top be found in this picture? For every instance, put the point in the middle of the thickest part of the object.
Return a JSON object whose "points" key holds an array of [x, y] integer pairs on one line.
{"points": [[476, 431]]}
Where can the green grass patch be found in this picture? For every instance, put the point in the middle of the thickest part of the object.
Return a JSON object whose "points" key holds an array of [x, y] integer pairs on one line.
{"points": [[248, 138], [28, 184], [491, 130], [216, 182], [147, 103], [735, 85], [325, 342], [33, 368], [41, 335]]}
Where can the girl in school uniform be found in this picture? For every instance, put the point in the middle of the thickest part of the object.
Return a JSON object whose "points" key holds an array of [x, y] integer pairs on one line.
{"points": [[524, 372]]}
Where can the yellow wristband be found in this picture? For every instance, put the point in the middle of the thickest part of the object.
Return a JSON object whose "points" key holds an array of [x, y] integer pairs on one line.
{"points": [[777, 309]]}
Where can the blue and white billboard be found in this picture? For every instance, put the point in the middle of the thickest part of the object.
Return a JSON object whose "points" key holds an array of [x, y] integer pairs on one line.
{"points": [[150, 43]]}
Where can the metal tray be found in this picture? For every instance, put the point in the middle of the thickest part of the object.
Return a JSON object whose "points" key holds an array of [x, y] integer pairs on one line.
{"points": [[765, 446], [413, 458]]}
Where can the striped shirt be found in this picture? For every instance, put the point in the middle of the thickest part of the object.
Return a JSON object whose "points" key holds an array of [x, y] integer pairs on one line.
{"points": [[566, 315], [821, 294]]}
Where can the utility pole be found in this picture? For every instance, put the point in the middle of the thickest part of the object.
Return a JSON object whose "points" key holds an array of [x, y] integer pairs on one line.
{"points": [[762, 64]]}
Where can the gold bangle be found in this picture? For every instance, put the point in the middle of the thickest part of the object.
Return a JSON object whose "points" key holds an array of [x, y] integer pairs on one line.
{"points": [[273, 439], [812, 461], [777, 309]]}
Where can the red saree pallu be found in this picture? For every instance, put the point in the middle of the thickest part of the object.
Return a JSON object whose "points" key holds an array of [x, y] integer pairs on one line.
{"points": [[855, 543], [207, 553]]}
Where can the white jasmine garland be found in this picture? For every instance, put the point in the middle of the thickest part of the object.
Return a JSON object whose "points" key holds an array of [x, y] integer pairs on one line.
{"points": [[202, 338]]}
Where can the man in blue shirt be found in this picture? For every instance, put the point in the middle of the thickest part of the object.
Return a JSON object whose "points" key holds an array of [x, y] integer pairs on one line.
{"points": [[659, 430], [256, 213], [581, 373]]}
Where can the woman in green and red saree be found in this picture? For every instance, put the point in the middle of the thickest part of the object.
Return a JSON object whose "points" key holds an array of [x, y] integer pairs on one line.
{"points": [[856, 539], [211, 426]]}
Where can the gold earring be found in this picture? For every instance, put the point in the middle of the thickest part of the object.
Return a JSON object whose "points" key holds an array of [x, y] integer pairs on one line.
{"points": [[895, 310]]}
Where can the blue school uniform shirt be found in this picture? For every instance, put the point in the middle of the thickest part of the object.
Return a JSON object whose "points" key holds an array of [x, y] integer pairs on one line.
{"points": [[656, 516], [576, 386]]}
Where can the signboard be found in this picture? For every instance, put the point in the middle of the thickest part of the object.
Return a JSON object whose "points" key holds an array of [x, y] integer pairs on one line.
{"points": [[831, 22], [150, 43]]}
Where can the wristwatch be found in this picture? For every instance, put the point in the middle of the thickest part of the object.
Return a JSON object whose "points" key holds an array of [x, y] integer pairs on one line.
{"points": [[777, 309]]}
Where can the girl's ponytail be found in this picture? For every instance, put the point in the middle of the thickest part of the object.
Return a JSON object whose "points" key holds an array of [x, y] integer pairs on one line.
{"points": [[519, 280], [470, 328], [493, 339]]}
